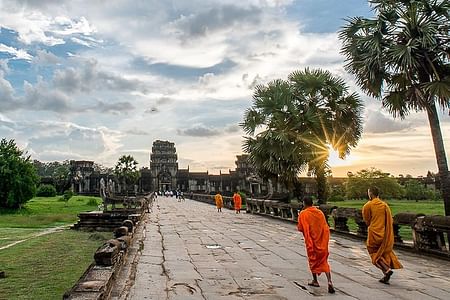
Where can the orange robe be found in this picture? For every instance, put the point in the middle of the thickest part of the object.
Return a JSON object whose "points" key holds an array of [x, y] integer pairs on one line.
{"points": [[237, 201], [219, 200], [380, 235], [312, 223]]}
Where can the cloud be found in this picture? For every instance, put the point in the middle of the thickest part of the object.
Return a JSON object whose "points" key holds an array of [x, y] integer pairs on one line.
{"points": [[41, 97], [36, 24], [44, 57], [7, 99], [136, 131], [115, 108], [4, 65], [49, 140], [201, 130], [214, 19], [88, 77], [16, 53], [377, 122], [66, 91]]}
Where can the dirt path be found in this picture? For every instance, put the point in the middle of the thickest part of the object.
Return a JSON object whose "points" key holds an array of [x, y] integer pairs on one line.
{"points": [[38, 234]]}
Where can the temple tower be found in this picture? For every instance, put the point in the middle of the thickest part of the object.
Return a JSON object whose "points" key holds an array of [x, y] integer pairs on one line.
{"points": [[163, 165]]}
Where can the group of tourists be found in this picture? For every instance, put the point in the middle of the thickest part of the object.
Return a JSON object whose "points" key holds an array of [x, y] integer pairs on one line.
{"points": [[380, 238], [237, 202], [179, 195]]}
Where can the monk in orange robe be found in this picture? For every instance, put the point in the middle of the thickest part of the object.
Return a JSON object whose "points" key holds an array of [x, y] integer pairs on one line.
{"points": [[237, 202], [313, 225], [380, 235], [219, 201]]}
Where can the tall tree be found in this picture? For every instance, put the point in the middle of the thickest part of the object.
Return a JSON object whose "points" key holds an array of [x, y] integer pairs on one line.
{"points": [[126, 170], [298, 121], [273, 151], [18, 176], [402, 56], [329, 118]]}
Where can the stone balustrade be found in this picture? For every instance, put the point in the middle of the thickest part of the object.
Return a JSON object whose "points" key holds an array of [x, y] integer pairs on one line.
{"points": [[98, 280], [403, 219], [429, 233]]}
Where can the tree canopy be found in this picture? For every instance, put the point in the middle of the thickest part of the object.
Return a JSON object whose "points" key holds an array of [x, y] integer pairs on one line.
{"points": [[401, 56], [126, 170], [18, 176], [357, 184]]}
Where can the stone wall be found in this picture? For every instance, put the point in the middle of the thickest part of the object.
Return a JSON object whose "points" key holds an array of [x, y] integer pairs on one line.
{"points": [[100, 278], [97, 281]]}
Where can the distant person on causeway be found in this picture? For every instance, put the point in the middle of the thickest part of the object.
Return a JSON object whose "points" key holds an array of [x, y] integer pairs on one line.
{"points": [[219, 201], [237, 202]]}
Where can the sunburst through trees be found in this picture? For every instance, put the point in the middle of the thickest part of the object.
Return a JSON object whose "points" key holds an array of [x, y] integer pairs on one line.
{"points": [[293, 123]]}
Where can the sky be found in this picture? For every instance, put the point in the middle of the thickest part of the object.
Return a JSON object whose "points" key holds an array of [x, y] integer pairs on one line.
{"points": [[94, 80]]}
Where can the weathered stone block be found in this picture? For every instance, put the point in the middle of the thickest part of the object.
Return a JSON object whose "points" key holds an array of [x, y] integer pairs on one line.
{"points": [[129, 224], [121, 231], [407, 219], [125, 241], [107, 254], [428, 232]]}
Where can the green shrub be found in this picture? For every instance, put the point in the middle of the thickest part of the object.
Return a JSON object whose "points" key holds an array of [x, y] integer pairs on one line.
{"points": [[67, 195], [92, 202], [46, 190], [336, 198]]}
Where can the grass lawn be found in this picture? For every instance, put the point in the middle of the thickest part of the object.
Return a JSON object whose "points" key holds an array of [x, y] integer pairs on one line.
{"points": [[44, 212], [397, 206], [45, 267], [9, 235], [425, 207]]}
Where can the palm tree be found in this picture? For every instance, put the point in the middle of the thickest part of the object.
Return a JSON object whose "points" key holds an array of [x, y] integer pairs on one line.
{"points": [[126, 170], [329, 118], [402, 56], [300, 120], [273, 151]]}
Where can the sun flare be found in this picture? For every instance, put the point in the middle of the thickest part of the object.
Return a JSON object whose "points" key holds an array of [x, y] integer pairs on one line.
{"points": [[335, 161]]}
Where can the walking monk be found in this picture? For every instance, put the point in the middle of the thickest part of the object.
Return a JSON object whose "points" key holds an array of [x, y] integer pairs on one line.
{"points": [[380, 235], [237, 202], [312, 223], [219, 201]]}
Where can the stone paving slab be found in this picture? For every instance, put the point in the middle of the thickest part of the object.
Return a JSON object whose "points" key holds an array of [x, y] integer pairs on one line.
{"points": [[192, 252]]}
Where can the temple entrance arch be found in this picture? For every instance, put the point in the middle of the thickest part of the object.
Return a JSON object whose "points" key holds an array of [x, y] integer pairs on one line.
{"points": [[164, 181]]}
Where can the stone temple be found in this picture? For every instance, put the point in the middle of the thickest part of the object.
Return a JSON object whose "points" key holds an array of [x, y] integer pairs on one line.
{"points": [[164, 174]]}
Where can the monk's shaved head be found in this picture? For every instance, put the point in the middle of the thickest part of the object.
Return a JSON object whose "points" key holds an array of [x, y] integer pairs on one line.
{"points": [[308, 201], [373, 191]]}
